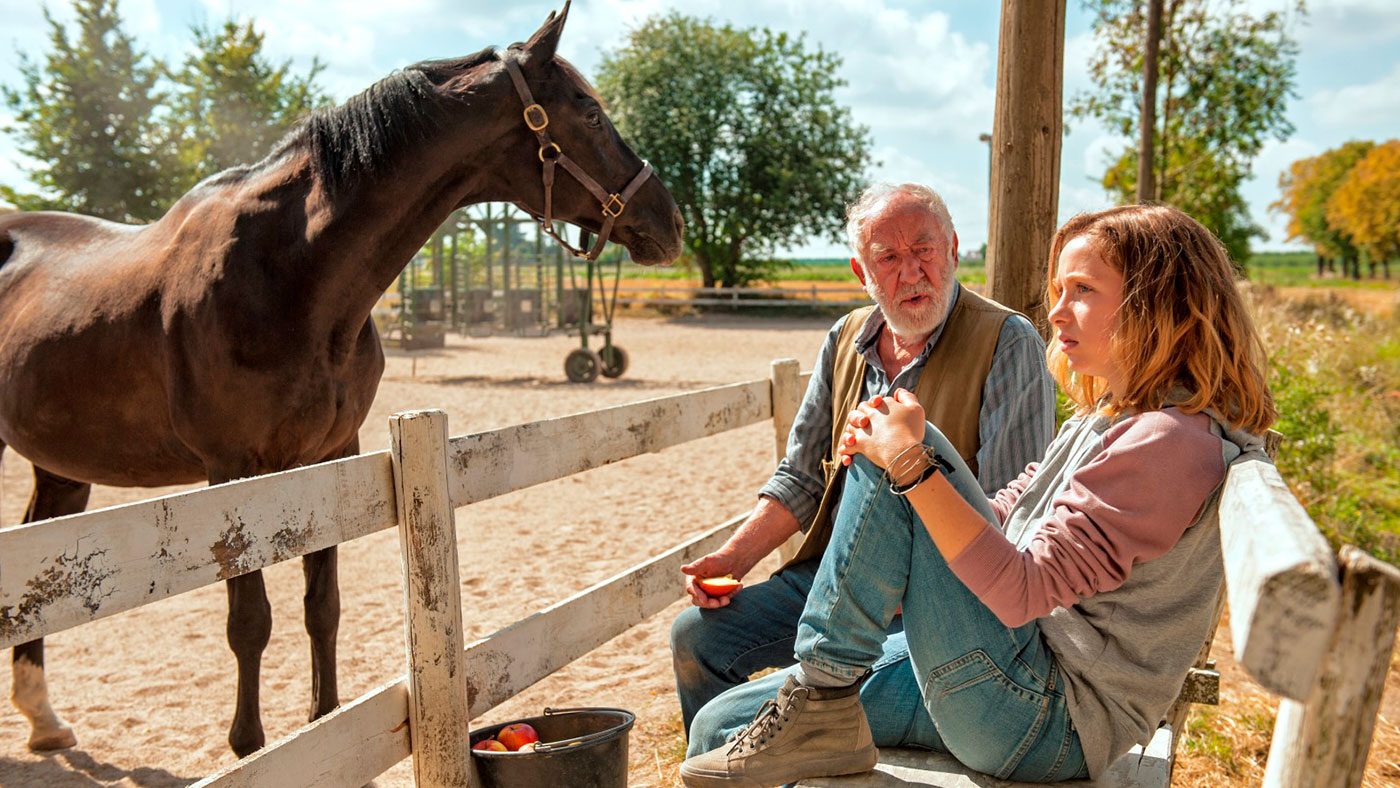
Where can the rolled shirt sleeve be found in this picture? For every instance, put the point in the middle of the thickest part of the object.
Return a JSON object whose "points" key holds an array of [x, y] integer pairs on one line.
{"points": [[798, 483]]}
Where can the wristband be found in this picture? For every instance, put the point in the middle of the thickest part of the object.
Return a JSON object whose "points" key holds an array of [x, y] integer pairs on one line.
{"points": [[936, 464]]}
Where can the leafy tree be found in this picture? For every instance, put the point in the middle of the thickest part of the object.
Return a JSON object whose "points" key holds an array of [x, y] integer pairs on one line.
{"points": [[1307, 187], [1225, 76], [232, 105], [87, 115], [1366, 206], [744, 128]]}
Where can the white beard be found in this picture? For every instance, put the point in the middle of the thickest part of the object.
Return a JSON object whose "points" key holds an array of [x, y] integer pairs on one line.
{"points": [[906, 321]]}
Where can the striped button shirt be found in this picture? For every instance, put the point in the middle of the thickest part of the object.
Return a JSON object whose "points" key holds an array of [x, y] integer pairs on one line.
{"points": [[1016, 423]]}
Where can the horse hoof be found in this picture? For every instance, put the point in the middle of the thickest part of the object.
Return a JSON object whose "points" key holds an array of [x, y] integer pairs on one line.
{"points": [[60, 739]]}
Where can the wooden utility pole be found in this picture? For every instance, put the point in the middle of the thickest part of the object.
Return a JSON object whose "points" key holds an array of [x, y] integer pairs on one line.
{"points": [[1147, 179], [1026, 159]]}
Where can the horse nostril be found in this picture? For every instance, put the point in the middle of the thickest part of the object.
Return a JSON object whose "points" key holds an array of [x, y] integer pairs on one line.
{"points": [[680, 222]]}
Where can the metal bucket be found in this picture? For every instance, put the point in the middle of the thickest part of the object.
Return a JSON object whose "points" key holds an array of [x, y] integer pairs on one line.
{"points": [[579, 748]]}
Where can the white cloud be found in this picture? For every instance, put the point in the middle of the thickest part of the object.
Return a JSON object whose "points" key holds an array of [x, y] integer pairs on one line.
{"points": [[1345, 24], [1374, 105], [1102, 151], [1078, 49]]}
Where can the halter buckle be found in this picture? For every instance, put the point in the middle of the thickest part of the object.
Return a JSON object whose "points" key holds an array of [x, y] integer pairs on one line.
{"points": [[542, 123], [557, 153], [608, 210]]}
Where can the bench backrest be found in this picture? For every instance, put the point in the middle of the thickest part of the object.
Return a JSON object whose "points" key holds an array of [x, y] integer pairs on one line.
{"points": [[1314, 629]]}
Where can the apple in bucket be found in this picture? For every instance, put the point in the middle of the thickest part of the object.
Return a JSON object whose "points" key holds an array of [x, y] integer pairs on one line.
{"points": [[489, 745], [517, 735], [718, 586]]}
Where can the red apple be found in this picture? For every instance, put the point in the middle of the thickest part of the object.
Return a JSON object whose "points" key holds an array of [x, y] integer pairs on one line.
{"points": [[517, 735], [718, 586], [489, 744]]}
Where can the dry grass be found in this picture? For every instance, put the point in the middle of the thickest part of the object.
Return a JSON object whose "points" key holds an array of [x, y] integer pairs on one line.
{"points": [[1227, 746]]}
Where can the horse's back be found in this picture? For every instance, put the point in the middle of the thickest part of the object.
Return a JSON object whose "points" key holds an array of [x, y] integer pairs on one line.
{"points": [[81, 362]]}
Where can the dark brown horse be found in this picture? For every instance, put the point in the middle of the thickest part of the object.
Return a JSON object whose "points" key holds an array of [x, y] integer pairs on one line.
{"points": [[233, 337]]}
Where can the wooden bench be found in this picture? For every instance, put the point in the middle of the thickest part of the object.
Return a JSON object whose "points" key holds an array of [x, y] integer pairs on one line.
{"points": [[1311, 627]]}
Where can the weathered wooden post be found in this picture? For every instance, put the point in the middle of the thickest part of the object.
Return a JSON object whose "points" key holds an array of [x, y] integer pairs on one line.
{"points": [[1026, 157], [437, 679], [787, 397], [1323, 742]]}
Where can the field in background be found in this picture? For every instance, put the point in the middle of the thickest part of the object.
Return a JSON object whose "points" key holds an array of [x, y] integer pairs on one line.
{"points": [[1280, 269]]}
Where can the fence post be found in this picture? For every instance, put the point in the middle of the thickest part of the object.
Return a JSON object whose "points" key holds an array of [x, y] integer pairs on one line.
{"points": [[787, 397], [1323, 743], [437, 699]]}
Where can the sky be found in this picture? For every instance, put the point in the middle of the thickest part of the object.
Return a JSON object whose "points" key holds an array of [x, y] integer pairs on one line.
{"points": [[921, 74]]}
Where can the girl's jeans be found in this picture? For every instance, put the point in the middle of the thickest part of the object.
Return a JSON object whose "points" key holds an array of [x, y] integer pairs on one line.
{"points": [[960, 682]]}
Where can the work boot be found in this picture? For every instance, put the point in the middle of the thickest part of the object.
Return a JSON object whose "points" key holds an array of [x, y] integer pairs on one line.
{"points": [[806, 732]]}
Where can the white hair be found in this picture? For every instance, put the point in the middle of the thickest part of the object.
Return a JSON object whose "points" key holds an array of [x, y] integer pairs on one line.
{"points": [[859, 213]]}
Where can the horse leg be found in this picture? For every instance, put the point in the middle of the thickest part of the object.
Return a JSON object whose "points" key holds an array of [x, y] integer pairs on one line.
{"points": [[322, 603], [249, 628], [322, 606], [53, 496]]}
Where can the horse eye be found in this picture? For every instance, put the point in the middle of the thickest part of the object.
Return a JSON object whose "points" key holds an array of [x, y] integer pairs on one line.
{"points": [[594, 118]]}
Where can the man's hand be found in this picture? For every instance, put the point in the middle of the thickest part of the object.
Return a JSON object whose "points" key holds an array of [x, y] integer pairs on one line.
{"points": [[716, 564], [769, 526]]}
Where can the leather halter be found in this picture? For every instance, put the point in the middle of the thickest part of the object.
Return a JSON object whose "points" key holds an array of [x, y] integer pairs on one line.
{"points": [[612, 203]]}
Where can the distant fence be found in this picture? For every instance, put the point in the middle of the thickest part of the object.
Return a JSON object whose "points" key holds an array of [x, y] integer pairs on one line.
{"points": [[805, 295]]}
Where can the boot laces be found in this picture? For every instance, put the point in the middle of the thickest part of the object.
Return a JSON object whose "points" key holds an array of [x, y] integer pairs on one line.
{"points": [[766, 724]]}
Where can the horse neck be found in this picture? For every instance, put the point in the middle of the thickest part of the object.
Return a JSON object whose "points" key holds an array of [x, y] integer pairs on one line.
{"points": [[362, 237]]}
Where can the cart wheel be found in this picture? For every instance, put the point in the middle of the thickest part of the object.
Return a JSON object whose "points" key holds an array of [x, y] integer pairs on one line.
{"points": [[614, 361], [582, 365]]}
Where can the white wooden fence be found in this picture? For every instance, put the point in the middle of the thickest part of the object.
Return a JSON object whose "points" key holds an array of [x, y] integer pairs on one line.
{"points": [[61, 573]]}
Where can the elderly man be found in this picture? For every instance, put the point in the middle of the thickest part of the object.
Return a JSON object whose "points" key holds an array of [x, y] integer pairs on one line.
{"points": [[978, 368]]}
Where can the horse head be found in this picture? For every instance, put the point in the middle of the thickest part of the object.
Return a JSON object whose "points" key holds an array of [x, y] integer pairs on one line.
{"points": [[556, 154], [580, 134]]}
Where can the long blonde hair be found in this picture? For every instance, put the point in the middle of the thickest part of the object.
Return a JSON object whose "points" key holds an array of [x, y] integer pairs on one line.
{"points": [[1182, 322]]}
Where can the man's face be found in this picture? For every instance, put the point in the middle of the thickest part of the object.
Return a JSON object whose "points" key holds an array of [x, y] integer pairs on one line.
{"points": [[908, 266]]}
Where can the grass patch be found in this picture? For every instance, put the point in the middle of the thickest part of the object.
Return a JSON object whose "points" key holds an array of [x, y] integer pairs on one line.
{"points": [[1335, 375]]}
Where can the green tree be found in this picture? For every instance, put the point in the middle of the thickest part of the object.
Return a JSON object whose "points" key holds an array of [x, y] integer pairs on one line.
{"points": [[1306, 188], [1225, 76], [231, 104], [87, 115], [744, 128]]}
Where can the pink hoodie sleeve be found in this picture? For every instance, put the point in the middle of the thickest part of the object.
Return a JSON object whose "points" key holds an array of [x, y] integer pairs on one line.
{"points": [[1131, 502], [1007, 496]]}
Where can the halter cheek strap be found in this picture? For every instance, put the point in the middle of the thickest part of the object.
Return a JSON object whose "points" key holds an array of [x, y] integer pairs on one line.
{"points": [[612, 204]]}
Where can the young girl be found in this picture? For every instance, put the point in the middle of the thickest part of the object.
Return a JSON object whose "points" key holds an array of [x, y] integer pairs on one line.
{"points": [[1050, 628]]}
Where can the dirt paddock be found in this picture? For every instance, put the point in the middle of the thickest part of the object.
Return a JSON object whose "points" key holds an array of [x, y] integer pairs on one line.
{"points": [[150, 692]]}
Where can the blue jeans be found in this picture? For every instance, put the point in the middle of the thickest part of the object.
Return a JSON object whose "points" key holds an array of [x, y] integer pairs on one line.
{"points": [[993, 694], [715, 650]]}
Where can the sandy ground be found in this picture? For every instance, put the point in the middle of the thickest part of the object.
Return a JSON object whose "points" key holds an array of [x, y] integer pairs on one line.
{"points": [[150, 692]]}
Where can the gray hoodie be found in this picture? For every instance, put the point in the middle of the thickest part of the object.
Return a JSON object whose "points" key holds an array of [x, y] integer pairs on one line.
{"points": [[1112, 543]]}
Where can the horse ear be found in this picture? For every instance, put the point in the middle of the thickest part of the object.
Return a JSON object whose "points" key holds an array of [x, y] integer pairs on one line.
{"points": [[540, 48]]}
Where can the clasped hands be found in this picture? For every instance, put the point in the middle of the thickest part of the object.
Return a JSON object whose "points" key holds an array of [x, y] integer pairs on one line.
{"points": [[884, 430]]}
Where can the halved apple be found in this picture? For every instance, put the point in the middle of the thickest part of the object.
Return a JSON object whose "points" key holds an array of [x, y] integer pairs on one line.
{"points": [[718, 586]]}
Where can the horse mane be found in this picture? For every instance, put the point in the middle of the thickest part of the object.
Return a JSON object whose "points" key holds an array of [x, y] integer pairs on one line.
{"points": [[354, 139]]}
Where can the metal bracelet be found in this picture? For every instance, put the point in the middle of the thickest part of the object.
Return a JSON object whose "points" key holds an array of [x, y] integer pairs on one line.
{"points": [[936, 464]]}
